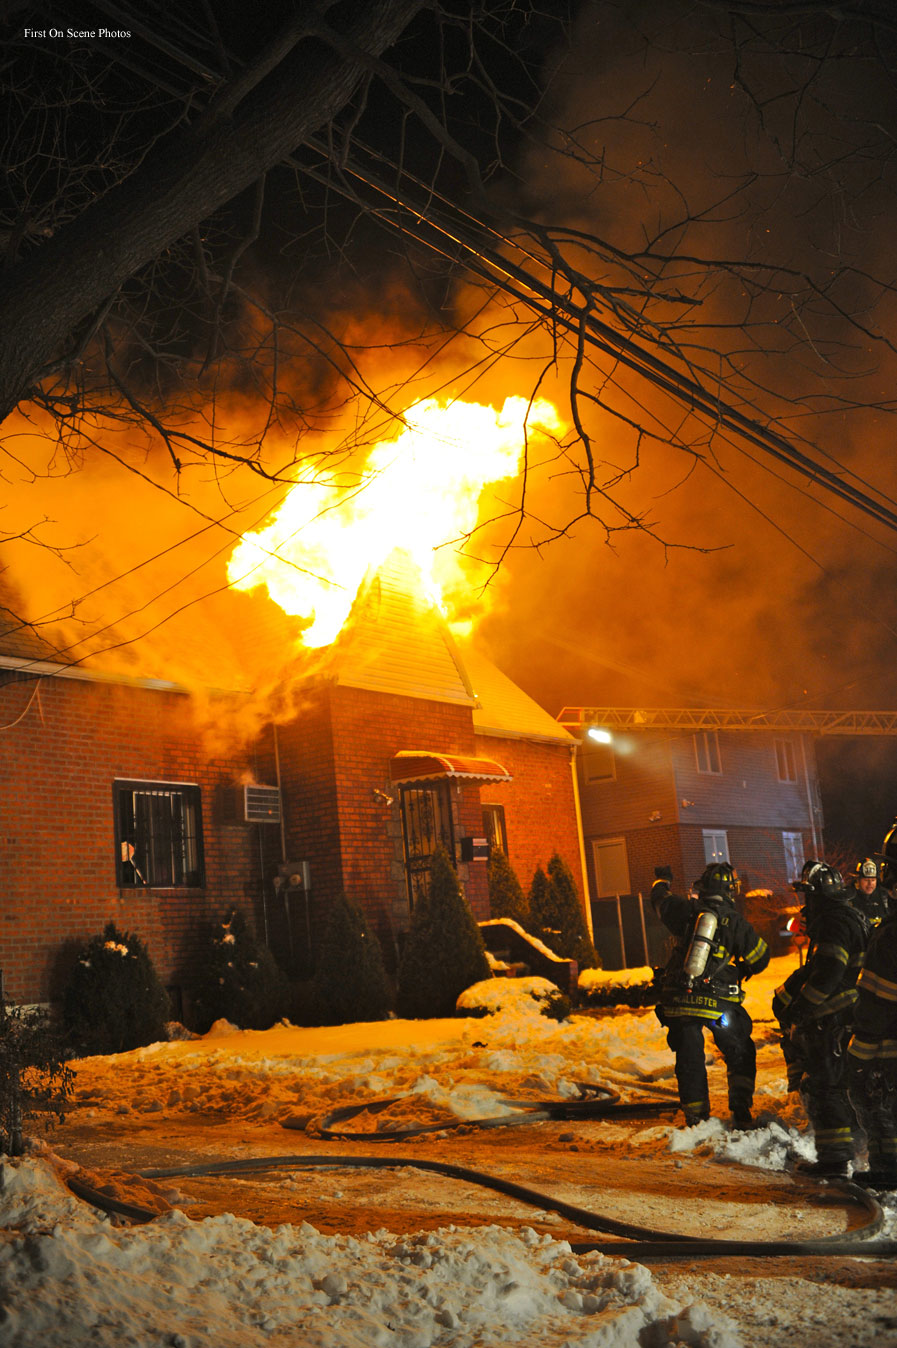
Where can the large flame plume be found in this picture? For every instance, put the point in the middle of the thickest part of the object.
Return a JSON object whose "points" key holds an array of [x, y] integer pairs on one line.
{"points": [[419, 492]]}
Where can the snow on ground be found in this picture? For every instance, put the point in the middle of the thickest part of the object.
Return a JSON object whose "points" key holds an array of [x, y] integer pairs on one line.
{"points": [[70, 1276]]}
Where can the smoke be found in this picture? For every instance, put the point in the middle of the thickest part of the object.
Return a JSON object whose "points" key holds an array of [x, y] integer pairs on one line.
{"points": [[759, 177], [700, 577]]}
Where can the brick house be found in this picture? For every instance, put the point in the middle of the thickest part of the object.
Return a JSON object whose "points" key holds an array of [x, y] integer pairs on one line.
{"points": [[660, 792], [115, 807]]}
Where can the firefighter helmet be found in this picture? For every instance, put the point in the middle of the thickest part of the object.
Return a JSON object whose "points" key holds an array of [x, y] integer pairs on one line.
{"points": [[867, 869], [719, 878], [823, 881]]}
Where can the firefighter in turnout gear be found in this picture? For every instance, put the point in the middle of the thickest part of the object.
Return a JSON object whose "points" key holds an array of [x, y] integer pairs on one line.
{"points": [[815, 1008], [867, 894], [700, 988], [872, 1056]]}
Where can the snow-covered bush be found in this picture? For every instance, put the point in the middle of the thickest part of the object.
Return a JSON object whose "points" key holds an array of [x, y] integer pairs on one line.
{"points": [[618, 987], [522, 996], [350, 982], [240, 980], [114, 1000], [34, 1076], [443, 952]]}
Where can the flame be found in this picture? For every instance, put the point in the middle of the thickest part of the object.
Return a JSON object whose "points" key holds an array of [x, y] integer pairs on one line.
{"points": [[417, 492]]}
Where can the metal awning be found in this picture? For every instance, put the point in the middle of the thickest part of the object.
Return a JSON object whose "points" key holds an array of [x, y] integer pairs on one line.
{"points": [[416, 765]]}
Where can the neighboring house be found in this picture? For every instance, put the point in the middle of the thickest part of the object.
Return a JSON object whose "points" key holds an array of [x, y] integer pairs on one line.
{"points": [[116, 805], [659, 792]]}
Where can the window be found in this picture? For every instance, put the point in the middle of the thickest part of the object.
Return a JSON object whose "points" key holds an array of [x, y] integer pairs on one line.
{"points": [[794, 854], [598, 762], [716, 845], [494, 828], [611, 866], [707, 751], [158, 835], [426, 825], [785, 762]]}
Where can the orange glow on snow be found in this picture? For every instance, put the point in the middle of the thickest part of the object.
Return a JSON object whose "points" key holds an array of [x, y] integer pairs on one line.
{"points": [[420, 492]]}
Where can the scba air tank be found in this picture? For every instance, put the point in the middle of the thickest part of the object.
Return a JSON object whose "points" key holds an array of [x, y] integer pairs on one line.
{"points": [[701, 944]]}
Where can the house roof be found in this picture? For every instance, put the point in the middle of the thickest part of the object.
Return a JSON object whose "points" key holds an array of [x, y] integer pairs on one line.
{"points": [[504, 709], [395, 641]]}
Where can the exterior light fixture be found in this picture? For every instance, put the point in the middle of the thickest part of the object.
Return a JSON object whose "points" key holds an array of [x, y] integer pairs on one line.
{"points": [[599, 735]]}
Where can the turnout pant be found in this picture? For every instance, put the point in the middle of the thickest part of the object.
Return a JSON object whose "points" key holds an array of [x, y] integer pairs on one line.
{"points": [[823, 1045], [732, 1035], [872, 1088]]}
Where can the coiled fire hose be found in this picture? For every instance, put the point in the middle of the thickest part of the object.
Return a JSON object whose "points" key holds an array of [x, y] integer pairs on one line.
{"points": [[633, 1242]]}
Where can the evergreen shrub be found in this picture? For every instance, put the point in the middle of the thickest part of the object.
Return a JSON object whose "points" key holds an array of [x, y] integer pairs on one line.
{"points": [[556, 917], [443, 952], [575, 942], [241, 981], [114, 1000], [506, 896], [350, 982]]}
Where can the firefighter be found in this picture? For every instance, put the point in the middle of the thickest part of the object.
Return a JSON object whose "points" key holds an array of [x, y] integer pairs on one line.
{"points": [[872, 1056], [815, 1007], [700, 988], [867, 894]]}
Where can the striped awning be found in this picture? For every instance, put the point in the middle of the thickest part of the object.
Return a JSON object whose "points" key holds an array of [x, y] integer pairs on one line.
{"points": [[415, 765]]}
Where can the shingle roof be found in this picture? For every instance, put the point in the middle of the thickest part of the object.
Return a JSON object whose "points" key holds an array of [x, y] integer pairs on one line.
{"points": [[395, 641], [503, 708]]}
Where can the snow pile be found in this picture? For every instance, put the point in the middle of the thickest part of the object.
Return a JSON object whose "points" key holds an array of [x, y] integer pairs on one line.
{"points": [[70, 1278], [522, 996]]}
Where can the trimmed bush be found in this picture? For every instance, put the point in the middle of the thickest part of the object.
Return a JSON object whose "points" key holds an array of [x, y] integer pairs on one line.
{"points": [[350, 982], [114, 1000], [241, 980], [444, 951], [556, 917], [34, 1077], [506, 896], [576, 944]]}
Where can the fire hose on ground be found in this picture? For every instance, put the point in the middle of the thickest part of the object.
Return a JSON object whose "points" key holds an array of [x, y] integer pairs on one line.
{"points": [[633, 1242]]}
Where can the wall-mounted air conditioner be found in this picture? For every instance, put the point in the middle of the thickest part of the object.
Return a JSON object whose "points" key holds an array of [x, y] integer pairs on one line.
{"points": [[261, 804]]}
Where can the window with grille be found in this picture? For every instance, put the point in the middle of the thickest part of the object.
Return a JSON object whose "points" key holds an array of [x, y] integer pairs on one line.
{"points": [[426, 826], [158, 835], [707, 751]]}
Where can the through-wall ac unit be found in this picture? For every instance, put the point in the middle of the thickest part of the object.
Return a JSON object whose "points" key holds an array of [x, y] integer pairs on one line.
{"points": [[261, 804]]}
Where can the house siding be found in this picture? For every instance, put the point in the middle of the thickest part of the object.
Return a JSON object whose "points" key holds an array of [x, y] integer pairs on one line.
{"points": [[747, 792], [661, 805]]}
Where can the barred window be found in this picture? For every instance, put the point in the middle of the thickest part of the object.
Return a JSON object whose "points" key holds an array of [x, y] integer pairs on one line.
{"points": [[158, 835]]}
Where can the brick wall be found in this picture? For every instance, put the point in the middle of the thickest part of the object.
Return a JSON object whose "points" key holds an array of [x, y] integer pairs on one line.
{"points": [[540, 809], [57, 841], [76, 737]]}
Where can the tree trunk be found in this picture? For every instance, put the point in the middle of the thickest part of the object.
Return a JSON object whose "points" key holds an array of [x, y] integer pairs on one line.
{"points": [[184, 180]]}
